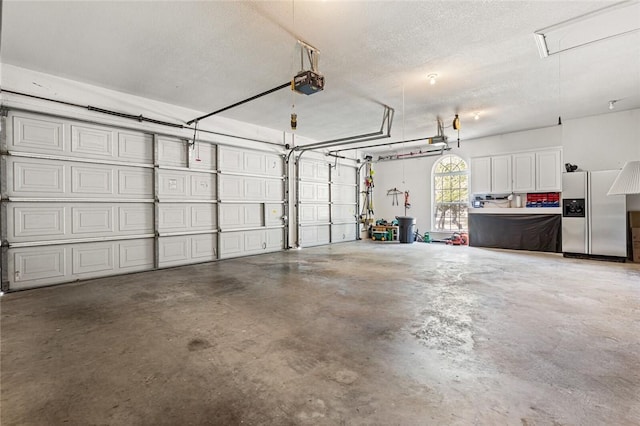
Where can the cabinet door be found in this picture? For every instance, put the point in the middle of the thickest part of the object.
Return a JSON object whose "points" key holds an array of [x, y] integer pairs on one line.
{"points": [[501, 174], [524, 172], [481, 175], [549, 171]]}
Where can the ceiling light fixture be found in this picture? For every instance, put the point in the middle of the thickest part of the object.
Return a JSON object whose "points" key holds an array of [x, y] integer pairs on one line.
{"points": [[476, 116], [432, 78]]}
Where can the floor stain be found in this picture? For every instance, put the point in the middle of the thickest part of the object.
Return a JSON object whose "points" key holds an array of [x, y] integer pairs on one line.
{"points": [[198, 345]]}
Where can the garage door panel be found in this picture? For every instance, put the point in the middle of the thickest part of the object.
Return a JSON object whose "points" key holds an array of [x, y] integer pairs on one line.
{"points": [[307, 169], [236, 216], [308, 213], [250, 188], [250, 162], [323, 213], [273, 190], [172, 184], [30, 267], [314, 170], [274, 213], [203, 216], [231, 187], [253, 215], [254, 162], [313, 213], [314, 192], [92, 220], [93, 258], [343, 194], [274, 165], [323, 172], [172, 152], [343, 232], [274, 239], [231, 160], [254, 241], [343, 212], [37, 135], [185, 185], [231, 244], [187, 249], [135, 147], [203, 247], [136, 218], [36, 177], [173, 250], [206, 154], [307, 191], [344, 174], [75, 140], [35, 222], [49, 179], [173, 217], [38, 264], [314, 235], [135, 183], [93, 142], [92, 180], [231, 216], [254, 189], [203, 186], [136, 255], [323, 193]]}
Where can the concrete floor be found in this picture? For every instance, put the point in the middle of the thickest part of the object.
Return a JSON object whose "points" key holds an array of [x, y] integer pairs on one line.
{"points": [[358, 333]]}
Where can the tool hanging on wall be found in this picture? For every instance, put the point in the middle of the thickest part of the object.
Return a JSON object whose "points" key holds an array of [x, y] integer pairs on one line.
{"points": [[394, 193], [407, 204]]}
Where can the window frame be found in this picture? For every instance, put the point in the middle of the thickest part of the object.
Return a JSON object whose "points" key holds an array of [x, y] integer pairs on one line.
{"points": [[435, 204]]}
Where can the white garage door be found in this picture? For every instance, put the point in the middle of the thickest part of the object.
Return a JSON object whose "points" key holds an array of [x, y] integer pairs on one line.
{"points": [[82, 201], [77, 201], [251, 209]]}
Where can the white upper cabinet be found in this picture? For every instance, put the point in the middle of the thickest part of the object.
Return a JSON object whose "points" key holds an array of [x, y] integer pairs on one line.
{"points": [[530, 171], [524, 172], [481, 175], [501, 173], [549, 170]]}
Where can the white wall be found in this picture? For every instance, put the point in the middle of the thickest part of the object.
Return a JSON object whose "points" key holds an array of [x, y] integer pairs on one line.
{"points": [[601, 142]]}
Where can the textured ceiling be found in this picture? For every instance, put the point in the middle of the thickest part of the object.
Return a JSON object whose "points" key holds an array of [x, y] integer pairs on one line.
{"points": [[207, 55]]}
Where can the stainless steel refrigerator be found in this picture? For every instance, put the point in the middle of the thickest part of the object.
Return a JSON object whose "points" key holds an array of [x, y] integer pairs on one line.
{"points": [[593, 223]]}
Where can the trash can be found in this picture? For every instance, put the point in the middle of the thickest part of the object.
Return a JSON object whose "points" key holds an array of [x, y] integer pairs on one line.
{"points": [[407, 229]]}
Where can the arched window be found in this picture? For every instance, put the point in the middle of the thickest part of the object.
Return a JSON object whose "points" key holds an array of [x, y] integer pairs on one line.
{"points": [[450, 194]]}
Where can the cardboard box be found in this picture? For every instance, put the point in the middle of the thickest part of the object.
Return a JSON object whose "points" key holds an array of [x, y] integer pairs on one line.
{"points": [[635, 244]]}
